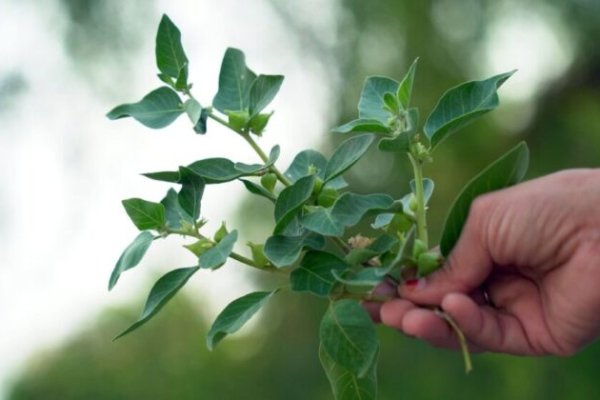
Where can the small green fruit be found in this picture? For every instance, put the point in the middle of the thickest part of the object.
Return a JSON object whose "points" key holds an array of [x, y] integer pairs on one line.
{"points": [[268, 181], [413, 204], [429, 262], [327, 197], [400, 223], [259, 122], [418, 248], [238, 119], [317, 186]]}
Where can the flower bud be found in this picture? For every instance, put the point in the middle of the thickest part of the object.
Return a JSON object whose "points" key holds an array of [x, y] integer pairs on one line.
{"points": [[199, 247], [220, 233], [258, 254]]}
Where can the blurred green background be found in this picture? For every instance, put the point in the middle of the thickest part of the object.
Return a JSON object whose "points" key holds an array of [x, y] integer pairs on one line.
{"points": [[554, 106]]}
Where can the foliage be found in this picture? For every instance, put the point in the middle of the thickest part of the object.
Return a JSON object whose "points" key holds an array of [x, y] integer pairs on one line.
{"points": [[313, 209]]}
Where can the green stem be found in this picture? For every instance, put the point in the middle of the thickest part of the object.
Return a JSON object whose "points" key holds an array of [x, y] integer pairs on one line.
{"points": [[265, 158], [461, 338], [233, 255], [421, 213]]}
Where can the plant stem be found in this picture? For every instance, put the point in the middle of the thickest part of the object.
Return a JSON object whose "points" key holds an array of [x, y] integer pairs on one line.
{"points": [[222, 122], [233, 255], [265, 158], [460, 336], [421, 213]]}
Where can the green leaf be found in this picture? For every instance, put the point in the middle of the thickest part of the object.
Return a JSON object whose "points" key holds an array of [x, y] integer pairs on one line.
{"points": [[216, 170], [197, 115], [309, 162], [314, 275], [406, 85], [366, 278], [182, 80], [145, 214], [201, 125], [175, 216], [192, 189], [290, 201], [402, 142], [285, 250], [166, 79], [259, 122], [263, 91], [347, 385], [348, 153], [199, 247], [404, 252], [371, 104], [217, 255], [348, 336], [391, 103], [461, 105], [347, 211], [363, 125], [258, 190], [235, 315], [235, 80], [221, 232], [164, 176], [505, 171], [163, 290], [170, 57], [131, 256], [157, 109], [428, 187], [350, 208], [381, 245]]}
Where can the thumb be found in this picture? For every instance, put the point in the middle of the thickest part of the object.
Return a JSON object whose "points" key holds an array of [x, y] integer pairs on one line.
{"points": [[465, 269]]}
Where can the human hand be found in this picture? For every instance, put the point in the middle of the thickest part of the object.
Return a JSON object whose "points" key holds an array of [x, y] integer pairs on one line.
{"points": [[535, 251]]}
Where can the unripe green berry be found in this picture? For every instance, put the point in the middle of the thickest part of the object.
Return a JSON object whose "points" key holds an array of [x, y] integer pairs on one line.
{"points": [[400, 223], [238, 119], [327, 197], [418, 248], [428, 262], [268, 181], [318, 185], [259, 123], [413, 204]]}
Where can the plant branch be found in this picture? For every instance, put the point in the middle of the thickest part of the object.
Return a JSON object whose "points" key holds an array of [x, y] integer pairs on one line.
{"points": [[263, 156], [421, 212], [460, 336], [233, 255]]}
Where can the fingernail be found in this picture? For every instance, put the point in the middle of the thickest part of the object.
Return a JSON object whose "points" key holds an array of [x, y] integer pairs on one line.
{"points": [[415, 284]]}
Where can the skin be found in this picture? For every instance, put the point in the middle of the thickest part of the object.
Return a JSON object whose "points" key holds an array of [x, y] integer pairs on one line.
{"points": [[535, 249]]}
